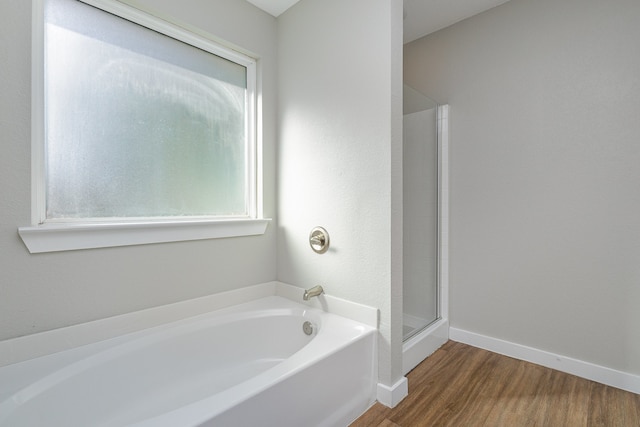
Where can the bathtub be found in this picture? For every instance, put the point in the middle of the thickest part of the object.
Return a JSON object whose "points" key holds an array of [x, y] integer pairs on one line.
{"points": [[247, 365]]}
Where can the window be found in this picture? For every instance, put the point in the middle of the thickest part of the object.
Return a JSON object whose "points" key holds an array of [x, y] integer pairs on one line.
{"points": [[138, 125]]}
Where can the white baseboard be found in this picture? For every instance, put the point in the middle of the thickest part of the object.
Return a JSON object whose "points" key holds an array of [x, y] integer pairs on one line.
{"points": [[391, 396], [590, 371]]}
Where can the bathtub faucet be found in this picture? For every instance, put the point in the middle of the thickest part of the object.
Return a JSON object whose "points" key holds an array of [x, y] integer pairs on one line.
{"points": [[312, 292]]}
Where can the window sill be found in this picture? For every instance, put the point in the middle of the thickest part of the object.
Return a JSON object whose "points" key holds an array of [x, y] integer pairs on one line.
{"points": [[68, 237]]}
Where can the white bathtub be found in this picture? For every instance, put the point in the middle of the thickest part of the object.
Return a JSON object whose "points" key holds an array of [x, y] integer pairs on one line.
{"points": [[246, 365]]}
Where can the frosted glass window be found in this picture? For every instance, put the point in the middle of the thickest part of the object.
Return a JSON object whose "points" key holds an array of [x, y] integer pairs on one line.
{"points": [[139, 124]]}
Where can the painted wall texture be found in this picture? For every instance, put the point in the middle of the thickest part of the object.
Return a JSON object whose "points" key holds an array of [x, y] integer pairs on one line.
{"points": [[545, 237], [47, 291], [339, 156]]}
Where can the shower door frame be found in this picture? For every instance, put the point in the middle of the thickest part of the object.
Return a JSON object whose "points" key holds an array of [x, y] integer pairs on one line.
{"points": [[425, 341]]}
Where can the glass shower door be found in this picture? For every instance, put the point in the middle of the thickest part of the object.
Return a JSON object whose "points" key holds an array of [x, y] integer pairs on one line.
{"points": [[420, 212]]}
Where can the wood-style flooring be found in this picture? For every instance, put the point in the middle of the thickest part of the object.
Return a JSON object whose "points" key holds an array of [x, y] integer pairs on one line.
{"points": [[462, 386]]}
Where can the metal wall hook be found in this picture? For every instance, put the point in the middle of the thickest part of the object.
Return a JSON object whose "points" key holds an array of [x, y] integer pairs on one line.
{"points": [[319, 240]]}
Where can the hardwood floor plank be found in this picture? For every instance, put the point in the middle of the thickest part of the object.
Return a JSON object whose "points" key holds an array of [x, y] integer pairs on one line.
{"points": [[521, 399], [460, 385], [375, 416], [612, 407], [388, 423], [436, 404]]}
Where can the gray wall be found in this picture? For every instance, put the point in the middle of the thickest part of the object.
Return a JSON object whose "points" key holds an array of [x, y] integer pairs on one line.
{"points": [[545, 176], [46, 291], [339, 156]]}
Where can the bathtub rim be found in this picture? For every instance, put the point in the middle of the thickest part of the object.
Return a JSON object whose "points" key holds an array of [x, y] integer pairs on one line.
{"points": [[20, 349]]}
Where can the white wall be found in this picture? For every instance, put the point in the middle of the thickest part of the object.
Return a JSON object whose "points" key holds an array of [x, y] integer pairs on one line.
{"points": [[340, 148], [545, 176], [41, 292]]}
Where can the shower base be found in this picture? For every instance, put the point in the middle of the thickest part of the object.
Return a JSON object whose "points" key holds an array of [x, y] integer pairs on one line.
{"points": [[423, 343]]}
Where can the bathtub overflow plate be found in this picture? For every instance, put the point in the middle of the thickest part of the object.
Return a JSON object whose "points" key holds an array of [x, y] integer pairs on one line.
{"points": [[307, 327]]}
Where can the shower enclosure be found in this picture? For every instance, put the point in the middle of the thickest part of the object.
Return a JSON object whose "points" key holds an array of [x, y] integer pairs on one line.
{"points": [[424, 149]]}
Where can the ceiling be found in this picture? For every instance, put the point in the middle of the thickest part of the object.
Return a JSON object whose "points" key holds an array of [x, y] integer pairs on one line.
{"points": [[274, 7], [422, 17]]}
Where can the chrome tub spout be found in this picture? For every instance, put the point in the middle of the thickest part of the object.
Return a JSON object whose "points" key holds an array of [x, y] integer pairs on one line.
{"points": [[312, 292]]}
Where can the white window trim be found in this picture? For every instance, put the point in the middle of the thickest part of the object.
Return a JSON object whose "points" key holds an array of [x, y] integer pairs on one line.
{"points": [[67, 237], [44, 236]]}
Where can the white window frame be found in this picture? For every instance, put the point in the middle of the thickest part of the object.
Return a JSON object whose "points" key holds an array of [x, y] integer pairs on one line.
{"points": [[44, 236]]}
